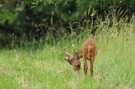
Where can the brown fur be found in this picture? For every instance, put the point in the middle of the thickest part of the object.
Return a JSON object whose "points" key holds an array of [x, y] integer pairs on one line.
{"points": [[73, 60], [88, 52]]}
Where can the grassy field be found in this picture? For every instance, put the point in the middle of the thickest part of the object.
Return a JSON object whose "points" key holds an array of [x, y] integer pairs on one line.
{"points": [[45, 68]]}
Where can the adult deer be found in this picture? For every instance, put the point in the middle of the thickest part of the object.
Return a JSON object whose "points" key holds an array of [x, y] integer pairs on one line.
{"points": [[88, 52], [73, 60]]}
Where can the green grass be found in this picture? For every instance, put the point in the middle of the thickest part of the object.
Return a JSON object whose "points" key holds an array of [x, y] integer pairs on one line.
{"points": [[45, 67]]}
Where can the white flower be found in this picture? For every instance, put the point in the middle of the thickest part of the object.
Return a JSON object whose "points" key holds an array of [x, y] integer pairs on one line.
{"points": [[73, 45]]}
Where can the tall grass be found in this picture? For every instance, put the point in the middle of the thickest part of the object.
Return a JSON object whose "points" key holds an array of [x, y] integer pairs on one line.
{"points": [[45, 68]]}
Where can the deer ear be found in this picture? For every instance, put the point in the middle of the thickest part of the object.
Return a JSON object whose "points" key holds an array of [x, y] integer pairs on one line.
{"points": [[67, 52]]}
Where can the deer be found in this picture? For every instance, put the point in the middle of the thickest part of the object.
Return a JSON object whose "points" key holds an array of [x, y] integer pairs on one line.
{"points": [[88, 52], [73, 60]]}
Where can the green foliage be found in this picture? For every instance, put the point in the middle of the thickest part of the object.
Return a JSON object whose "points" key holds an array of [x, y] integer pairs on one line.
{"points": [[40, 64], [36, 19], [44, 67]]}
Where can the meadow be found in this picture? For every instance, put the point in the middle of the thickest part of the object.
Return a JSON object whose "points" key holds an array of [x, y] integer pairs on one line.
{"points": [[44, 67]]}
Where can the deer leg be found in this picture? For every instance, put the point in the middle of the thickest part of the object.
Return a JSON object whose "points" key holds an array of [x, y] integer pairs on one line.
{"points": [[85, 66], [91, 67]]}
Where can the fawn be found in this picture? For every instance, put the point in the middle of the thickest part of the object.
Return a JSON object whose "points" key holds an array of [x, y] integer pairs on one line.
{"points": [[88, 52]]}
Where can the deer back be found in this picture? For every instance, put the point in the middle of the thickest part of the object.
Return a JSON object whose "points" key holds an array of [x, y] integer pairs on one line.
{"points": [[89, 48]]}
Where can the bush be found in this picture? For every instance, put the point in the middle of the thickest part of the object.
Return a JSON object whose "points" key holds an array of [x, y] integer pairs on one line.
{"points": [[34, 19]]}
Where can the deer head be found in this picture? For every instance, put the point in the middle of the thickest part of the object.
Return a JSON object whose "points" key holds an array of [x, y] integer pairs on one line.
{"points": [[73, 59]]}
